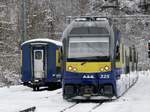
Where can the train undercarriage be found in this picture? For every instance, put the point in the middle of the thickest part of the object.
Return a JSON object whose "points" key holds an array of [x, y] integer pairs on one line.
{"points": [[93, 92]]}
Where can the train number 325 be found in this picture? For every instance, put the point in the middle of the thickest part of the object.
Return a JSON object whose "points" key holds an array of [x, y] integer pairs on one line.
{"points": [[105, 76]]}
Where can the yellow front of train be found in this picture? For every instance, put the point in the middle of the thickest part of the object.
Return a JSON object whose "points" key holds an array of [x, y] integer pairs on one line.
{"points": [[88, 67]]}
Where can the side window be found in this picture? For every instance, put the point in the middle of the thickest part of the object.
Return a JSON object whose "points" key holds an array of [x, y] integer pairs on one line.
{"points": [[130, 54], [134, 55], [58, 58], [59, 55], [118, 52], [123, 53], [137, 57], [58, 61]]}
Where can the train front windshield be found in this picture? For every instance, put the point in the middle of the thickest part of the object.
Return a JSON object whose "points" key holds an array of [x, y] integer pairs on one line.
{"points": [[89, 48]]}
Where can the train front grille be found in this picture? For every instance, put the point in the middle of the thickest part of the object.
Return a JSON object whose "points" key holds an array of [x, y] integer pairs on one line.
{"points": [[87, 90]]}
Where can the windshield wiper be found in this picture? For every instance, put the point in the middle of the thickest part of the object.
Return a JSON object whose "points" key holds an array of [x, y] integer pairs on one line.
{"points": [[83, 63]]}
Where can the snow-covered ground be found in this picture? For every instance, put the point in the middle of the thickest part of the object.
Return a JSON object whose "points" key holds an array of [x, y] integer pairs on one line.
{"points": [[17, 98], [137, 99]]}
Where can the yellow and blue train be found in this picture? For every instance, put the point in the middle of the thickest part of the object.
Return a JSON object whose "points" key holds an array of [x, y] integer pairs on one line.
{"points": [[41, 65], [97, 64]]}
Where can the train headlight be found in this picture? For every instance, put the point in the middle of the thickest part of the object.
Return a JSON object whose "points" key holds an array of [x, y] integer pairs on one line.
{"points": [[74, 69], [106, 68], [70, 68], [102, 69]]}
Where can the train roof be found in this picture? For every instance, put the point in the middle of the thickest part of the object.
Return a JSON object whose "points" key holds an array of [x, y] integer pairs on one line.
{"points": [[42, 40], [87, 22]]}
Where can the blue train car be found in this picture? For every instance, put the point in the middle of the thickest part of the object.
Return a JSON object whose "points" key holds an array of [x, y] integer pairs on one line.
{"points": [[41, 63], [97, 61]]}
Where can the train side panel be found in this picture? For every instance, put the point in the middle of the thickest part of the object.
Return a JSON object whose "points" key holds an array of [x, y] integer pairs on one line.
{"points": [[129, 76], [26, 64], [51, 69]]}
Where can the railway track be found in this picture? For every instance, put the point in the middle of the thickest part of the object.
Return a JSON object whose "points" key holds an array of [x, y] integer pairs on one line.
{"points": [[90, 106], [31, 109], [95, 107], [69, 107]]}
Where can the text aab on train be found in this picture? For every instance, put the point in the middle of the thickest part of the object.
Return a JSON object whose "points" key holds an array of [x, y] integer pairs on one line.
{"points": [[97, 62], [41, 63]]}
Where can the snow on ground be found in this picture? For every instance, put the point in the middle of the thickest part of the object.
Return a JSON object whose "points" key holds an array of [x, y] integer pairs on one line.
{"points": [[18, 98], [137, 99]]}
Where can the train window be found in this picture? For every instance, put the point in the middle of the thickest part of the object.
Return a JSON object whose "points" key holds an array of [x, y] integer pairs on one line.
{"points": [[89, 30], [123, 53], [130, 54], [89, 47], [59, 56], [118, 52], [134, 55], [38, 55]]}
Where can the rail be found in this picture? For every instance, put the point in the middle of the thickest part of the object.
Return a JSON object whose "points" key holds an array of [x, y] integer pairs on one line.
{"points": [[31, 109]]}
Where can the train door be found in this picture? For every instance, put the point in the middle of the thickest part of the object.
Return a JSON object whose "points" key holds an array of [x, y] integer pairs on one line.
{"points": [[38, 63]]}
